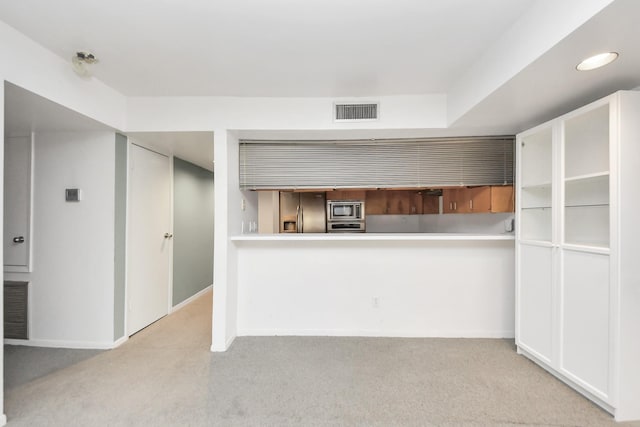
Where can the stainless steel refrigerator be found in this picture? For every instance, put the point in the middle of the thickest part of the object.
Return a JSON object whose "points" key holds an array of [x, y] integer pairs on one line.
{"points": [[302, 212]]}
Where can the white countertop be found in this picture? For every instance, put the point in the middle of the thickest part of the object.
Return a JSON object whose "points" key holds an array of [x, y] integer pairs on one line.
{"points": [[369, 237]]}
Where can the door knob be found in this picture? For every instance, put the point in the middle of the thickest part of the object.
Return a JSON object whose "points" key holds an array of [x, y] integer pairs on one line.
{"points": [[168, 235], [19, 239]]}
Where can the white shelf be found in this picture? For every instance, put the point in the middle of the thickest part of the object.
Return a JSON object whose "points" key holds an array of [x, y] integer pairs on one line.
{"points": [[596, 249], [539, 185], [588, 176], [588, 191]]}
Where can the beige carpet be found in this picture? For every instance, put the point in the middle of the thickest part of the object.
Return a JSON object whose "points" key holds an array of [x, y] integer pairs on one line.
{"points": [[166, 376]]}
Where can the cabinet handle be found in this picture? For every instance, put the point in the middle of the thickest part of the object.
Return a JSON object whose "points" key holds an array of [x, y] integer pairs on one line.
{"points": [[450, 206], [471, 204], [19, 239], [455, 206]]}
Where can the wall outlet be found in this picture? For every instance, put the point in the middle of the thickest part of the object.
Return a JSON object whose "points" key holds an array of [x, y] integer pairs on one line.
{"points": [[243, 205]]}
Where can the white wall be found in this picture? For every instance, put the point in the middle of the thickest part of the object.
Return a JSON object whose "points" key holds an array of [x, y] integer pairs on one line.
{"points": [[3, 417], [72, 283], [423, 288], [32, 67], [228, 222], [206, 113]]}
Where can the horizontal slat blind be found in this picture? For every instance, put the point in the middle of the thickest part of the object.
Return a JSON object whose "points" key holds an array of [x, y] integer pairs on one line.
{"points": [[376, 164]]}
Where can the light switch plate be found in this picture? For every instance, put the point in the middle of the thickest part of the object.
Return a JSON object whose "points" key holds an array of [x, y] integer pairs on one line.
{"points": [[72, 194]]}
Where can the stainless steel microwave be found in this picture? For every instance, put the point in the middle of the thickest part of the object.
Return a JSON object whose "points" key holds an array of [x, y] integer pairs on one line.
{"points": [[345, 210]]}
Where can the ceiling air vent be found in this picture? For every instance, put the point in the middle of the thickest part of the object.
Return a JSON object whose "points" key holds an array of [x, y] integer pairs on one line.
{"points": [[356, 112]]}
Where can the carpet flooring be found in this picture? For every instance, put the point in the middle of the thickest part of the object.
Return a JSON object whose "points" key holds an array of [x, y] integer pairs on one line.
{"points": [[166, 376]]}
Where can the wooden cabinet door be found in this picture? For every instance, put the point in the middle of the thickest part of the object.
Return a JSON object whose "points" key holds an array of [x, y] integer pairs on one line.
{"points": [[478, 199], [394, 202], [376, 202], [450, 200], [455, 200], [399, 202], [346, 195], [502, 199], [430, 203]]}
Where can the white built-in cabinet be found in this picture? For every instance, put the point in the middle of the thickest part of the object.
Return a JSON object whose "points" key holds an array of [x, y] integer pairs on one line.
{"points": [[578, 250]]}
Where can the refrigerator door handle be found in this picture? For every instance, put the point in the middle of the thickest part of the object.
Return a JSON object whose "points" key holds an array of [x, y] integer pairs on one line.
{"points": [[298, 219]]}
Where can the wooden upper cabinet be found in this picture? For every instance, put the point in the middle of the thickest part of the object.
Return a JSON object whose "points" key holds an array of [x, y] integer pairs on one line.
{"points": [[482, 199], [346, 195], [430, 203], [453, 200], [401, 202], [394, 202], [478, 199], [502, 199], [376, 203]]}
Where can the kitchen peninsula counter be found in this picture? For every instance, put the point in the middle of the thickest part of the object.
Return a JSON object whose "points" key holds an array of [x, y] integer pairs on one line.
{"points": [[375, 284], [371, 237]]}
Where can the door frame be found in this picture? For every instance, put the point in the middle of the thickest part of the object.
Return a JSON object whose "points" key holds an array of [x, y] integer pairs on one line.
{"points": [[130, 142]]}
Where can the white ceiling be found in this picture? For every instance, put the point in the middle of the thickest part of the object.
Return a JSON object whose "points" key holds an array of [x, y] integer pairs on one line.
{"points": [[290, 48], [27, 112], [195, 147], [330, 48]]}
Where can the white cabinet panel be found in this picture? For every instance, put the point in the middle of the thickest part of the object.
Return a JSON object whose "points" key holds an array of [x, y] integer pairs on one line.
{"points": [[585, 319], [535, 317], [17, 203]]}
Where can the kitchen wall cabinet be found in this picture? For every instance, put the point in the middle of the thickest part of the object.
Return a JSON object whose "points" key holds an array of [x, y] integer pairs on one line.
{"points": [[346, 195], [430, 203], [482, 199], [394, 202], [577, 299]]}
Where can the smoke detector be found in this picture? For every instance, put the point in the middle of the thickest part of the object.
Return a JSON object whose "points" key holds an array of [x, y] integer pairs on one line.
{"points": [[81, 62]]}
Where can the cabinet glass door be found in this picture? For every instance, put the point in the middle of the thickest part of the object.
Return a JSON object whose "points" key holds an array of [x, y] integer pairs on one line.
{"points": [[536, 171], [586, 179]]}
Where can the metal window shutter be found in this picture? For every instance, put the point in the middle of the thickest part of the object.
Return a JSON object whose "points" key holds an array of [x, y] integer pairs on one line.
{"points": [[376, 164]]}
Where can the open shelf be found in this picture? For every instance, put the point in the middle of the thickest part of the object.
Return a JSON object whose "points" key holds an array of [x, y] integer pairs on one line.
{"points": [[586, 143], [535, 224], [587, 225], [536, 159], [538, 196], [587, 191]]}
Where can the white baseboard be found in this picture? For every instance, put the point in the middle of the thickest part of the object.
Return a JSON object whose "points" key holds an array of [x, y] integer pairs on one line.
{"points": [[120, 341], [190, 299], [375, 333], [84, 345], [226, 345], [3, 420]]}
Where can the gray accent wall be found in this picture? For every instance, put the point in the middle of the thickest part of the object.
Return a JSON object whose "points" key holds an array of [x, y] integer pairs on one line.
{"points": [[120, 236], [192, 229]]}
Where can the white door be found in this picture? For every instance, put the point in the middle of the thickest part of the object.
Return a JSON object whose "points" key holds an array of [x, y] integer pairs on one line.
{"points": [[149, 238], [17, 203]]}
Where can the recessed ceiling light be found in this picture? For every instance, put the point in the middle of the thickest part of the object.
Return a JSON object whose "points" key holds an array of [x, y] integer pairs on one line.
{"points": [[597, 61]]}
